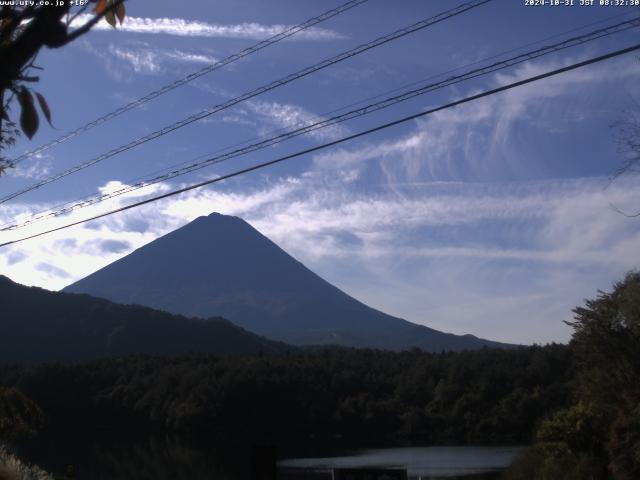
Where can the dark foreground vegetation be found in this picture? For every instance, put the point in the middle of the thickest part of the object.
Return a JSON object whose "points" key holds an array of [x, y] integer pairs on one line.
{"points": [[482, 396], [596, 436], [578, 405]]}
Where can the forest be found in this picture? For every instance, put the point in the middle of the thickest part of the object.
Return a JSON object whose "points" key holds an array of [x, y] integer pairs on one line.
{"points": [[42, 326], [476, 396], [577, 405]]}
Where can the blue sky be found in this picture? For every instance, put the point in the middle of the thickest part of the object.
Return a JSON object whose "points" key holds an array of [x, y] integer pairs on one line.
{"points": [[495, 218]]}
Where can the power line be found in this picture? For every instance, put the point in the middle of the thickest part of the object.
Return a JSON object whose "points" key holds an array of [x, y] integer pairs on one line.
{"points": [[390, 91], [537, 53], [258, 91], [339, 141], [192, 76], [498, 55], [397, 89]]}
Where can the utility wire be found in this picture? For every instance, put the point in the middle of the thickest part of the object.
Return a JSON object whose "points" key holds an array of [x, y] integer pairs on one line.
{"points": [[192, 76], [545, 50], [41, 215], [382, 94], [374, 97], [258, 91], [384, 126]]}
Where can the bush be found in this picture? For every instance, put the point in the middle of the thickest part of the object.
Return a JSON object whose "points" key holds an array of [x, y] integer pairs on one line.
{"points": [[537, 464], [20, 418], [12, 468]]}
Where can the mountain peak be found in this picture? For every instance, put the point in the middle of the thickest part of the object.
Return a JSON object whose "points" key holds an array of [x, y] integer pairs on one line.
{"points": [[218, 220], [219, 265], [223, 217], [214, 217]]}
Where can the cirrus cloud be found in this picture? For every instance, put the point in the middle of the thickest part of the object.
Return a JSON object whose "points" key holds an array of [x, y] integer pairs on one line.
{"points": [[194, 28]]}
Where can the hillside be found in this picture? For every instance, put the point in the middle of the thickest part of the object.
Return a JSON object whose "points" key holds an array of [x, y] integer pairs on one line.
{"points": [[39, 325]]}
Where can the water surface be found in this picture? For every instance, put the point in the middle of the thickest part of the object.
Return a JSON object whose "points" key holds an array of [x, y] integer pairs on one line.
{"points": [[420, 462], [169, 458]]}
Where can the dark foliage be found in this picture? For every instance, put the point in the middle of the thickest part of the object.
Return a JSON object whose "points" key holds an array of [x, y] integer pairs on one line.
{"points": [[481, 396], [26, 28], [598, 436], [38, 325], [20, 418]]}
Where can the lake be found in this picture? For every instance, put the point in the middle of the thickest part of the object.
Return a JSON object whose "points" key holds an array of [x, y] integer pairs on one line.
{"points": [[170, 458], [420, 462]]}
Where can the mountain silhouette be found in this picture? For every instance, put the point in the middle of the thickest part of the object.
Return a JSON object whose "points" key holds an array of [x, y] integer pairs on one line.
{"points": [[41, 326], [221, 266]]}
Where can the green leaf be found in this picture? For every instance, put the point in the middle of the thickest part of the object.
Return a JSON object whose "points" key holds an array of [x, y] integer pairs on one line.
{"points": [[110, 17], [44, 106], [29, 121]]}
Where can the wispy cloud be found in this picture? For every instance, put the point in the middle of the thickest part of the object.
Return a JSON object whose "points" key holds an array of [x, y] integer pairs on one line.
{"points": [[125, 58], [193, 28], [290, 117], [417, 256], [149, 60], [38, 167], [141, 61], [430, 235], [486, 139]]}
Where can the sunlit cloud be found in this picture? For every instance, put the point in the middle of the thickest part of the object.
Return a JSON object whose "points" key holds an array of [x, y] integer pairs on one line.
{"points": [[143, 58], [193, 28], [39, 166], [291, 117], [482, 140], [430, 235], [570, 225]]}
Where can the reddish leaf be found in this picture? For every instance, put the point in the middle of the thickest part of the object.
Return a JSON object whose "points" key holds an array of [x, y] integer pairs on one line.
{"points": [[101, 6]]}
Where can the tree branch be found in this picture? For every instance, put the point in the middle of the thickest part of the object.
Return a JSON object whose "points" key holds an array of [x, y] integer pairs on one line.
{"points": [[90, 24]]}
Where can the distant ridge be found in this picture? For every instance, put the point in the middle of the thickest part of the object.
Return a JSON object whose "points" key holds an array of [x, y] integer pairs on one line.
{"points": [[37, 325], [220, 265]]}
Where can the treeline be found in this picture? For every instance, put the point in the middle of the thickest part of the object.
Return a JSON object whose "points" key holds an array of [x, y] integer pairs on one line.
{"points": [[486, 396], [37, 325], [579, 404]]}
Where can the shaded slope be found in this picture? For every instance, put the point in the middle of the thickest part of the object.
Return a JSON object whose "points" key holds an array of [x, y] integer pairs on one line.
{"points": [[39, 325], [220, 265]]}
